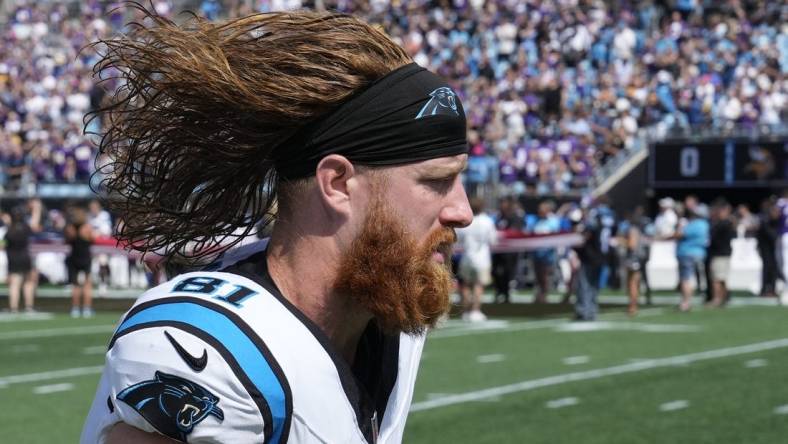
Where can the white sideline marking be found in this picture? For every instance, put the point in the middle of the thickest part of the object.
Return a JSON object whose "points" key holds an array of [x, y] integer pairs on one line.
{"points": [[755, 363], [781, 410], [36, 316], [674, 405], [25, 348], [598, 373], [50, 332], [486, 359], [55, 374], [575, 360], [54, 388], [494, 326], [563, 402], [633, 326], [95, 350]]}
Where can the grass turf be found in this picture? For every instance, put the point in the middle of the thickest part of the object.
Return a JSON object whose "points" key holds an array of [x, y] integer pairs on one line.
{"points": [[729, 399]]}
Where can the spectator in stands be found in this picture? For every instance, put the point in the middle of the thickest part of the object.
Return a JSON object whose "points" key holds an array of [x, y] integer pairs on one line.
{"points": [[583, 80], [591, 259], [544, 259], [22, 275], [721, 234], [510, 217], [79, 236], [101, 223], [692, 238], [475, 266]]}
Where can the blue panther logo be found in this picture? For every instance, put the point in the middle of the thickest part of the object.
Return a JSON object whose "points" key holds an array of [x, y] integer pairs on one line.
{"points": [[172, 404], [442, 101]]}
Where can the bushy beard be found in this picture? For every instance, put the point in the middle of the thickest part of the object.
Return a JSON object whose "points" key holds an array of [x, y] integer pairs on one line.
{"points": [[387, 273]]}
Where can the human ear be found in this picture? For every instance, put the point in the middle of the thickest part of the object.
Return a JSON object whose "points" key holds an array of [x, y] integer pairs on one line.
{"points": [[333, 176]]}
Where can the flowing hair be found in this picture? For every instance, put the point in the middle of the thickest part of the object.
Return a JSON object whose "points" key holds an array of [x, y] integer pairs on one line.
{"points": [[192, 128]]}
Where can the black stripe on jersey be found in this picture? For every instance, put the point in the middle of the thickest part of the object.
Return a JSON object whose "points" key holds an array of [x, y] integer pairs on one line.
{"points": [[255, 268], [257, 397]]}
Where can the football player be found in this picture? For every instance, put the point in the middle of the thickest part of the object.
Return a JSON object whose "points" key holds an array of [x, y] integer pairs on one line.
{"points": [[312, 335]]}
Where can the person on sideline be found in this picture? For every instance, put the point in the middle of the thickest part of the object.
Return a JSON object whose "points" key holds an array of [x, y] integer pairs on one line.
{"points": [[79, 236], [475, 267], [721, 233], [692, 238], [22, 275]]}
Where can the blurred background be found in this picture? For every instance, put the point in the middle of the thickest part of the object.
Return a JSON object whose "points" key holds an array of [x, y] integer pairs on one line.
{"points": [[631, 156]]}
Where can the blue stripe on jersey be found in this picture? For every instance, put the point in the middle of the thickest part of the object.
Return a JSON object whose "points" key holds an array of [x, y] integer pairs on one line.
{"points": [[249, 357]]}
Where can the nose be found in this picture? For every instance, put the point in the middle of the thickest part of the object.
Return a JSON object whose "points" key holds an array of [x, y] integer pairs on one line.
{"points": [[457, 211]]}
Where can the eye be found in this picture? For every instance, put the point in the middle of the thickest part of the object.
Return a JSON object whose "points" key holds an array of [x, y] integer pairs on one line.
{"points": [[441, 184]]}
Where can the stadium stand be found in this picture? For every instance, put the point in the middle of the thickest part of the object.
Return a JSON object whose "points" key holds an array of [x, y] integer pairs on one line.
{"points": [[554, 88]]}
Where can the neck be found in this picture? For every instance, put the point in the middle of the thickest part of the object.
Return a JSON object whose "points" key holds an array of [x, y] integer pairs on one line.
{"points": [[303, 268]]}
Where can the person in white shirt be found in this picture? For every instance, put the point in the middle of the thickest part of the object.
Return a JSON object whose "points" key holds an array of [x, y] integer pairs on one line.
{"points": [[667, 220], [475, 266]]}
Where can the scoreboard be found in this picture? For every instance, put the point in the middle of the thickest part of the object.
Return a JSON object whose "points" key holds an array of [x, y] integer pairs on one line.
{"points": [[719, 163]]}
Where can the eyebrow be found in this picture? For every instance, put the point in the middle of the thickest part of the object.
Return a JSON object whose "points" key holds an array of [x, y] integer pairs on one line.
{"points": [[441, 171]]}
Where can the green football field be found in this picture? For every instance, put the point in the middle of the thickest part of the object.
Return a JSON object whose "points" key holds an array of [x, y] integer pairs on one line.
{"points": [[709, 376]]}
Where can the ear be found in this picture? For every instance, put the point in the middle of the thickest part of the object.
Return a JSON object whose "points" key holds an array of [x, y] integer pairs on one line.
{"points": [[335, 178]]}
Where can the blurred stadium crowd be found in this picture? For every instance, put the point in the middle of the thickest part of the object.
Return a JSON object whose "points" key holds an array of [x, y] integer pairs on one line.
{"points": [[552, 88]]}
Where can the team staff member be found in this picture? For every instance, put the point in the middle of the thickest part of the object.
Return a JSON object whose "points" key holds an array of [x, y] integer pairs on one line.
{"points": [[22, 275], [315, 334], [79, 236]]}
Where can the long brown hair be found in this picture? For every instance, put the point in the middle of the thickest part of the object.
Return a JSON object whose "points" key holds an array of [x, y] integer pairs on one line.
{"points": [[192, 130]]}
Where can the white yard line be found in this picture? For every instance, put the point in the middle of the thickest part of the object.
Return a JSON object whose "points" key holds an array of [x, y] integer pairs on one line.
{"points": [[54, 388], [781, 410], [53, 332], [598, 373], [674, 405], [54, 374]]}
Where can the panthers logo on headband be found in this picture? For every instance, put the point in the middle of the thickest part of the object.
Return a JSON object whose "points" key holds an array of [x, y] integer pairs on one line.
{"points": [[442, 101], [171, 404]]}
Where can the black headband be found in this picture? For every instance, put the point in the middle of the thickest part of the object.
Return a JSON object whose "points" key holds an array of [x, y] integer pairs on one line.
{"points": [[407, 116]]}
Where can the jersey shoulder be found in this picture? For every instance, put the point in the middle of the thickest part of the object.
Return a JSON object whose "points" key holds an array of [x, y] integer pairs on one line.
{"points": [[186, 362]]}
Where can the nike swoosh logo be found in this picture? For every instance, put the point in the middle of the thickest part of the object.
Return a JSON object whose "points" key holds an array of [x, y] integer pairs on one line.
{"points": [[195, 363]]}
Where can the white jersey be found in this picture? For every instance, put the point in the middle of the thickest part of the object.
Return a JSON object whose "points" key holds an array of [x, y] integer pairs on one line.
{"points": [[223, 357]]}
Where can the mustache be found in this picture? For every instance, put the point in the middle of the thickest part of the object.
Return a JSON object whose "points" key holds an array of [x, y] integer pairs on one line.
{"points": [[441, 240]]}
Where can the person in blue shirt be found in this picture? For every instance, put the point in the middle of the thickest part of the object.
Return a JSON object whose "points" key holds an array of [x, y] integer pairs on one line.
{"points": [[692, 241], [544, 258]]}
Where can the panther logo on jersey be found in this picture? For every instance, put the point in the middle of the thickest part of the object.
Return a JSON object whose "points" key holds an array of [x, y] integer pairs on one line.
{"points": [[442, 101], [171, 404]]}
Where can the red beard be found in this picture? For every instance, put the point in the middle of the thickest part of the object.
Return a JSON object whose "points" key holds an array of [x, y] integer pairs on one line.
{"points": [[387, 273]]}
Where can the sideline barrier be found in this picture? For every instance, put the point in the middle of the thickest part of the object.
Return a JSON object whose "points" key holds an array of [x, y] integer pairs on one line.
{"points": [[662, 268]]}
